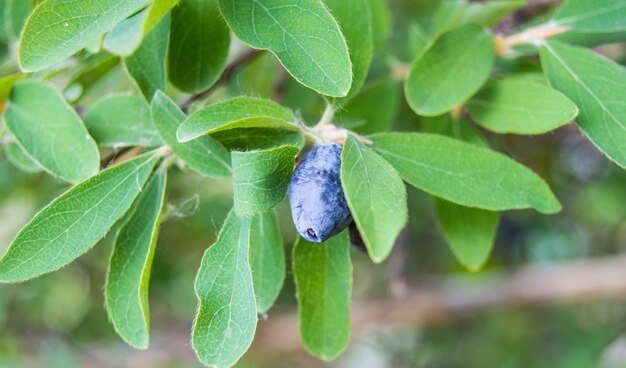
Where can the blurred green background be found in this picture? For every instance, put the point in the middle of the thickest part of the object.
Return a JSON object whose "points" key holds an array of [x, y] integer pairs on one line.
{"points": [[59, 320]]}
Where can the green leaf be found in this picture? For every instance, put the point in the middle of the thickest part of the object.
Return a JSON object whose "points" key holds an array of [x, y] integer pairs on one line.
{"points": [[260, 178], [267, 259], [127, 36], [148, 64], [129, 268], [381, 22], [13, 14], [16, 155], [373, 109], [376, 196], [75, 221], [458, 129], [58, 29], [595, 84], [51, 132], [301, 33], [239, 112], [469, 231], [323, 277], [455, 13], [590, 22], [199, 45], [248, 139], [355, 21], [227, 313], [204, 155], [451, 71], [519, 107], [122, 120], [463, 173]]}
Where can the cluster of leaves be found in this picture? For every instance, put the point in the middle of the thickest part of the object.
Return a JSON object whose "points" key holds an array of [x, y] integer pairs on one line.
{"points": [[326, 46]]}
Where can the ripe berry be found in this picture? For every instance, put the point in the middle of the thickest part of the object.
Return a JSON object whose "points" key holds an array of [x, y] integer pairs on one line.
{"points": [[318, 206]]}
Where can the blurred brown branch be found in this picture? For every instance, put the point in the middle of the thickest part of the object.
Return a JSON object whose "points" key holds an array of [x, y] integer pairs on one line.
{"points": [[447, 300]]}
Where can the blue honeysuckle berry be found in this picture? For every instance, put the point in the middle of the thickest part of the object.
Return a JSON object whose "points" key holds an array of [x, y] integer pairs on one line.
{"points": [[318, 205]]}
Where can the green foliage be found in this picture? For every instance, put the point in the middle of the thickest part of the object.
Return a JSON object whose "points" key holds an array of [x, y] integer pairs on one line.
{"points": [[227, 307], [122, 120], [593, 83], [447, 74], [61, 146], [75, 221], [126, 287], [376, 196], [267, 259], [520, 107], [241, 112], [463, 173], [260, 178], [323, 276], [301, 33], [118, 77], [203, 155], [58, 29], [198, 45]]}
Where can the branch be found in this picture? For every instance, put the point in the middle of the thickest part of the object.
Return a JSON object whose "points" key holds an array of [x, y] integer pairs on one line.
{"points": [[229, 71]]}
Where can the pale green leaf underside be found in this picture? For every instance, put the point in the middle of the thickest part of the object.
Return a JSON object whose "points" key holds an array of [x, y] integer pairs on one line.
{"points": [[592, 16], [301, 33], [57, 29], [519, 107], [75, 221], [470, 232], [129, 268], [204, 155], [122, 120], [463, 173], [455, 13], [597, 86], [267, 259], [238, 112], [50, 132], [260, 178], [199, 45], [148, 64], [451, 71], [323, 277], [20, 159], [227, 314], [376, 196]]}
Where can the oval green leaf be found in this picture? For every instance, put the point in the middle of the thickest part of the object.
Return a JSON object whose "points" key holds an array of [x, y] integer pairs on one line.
{"points": [[267, 259], [239, 112], [75, 221], [227, 314], [301, 33], [51, 132], [463, 173], [376, 196], [204, 155], [199, 45], [260, 178], [122, 120], [595, 84], [58, 29], [323, 277], [148, 64], [451, 71], [519, 107], [126, 290], [470, 232]]}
